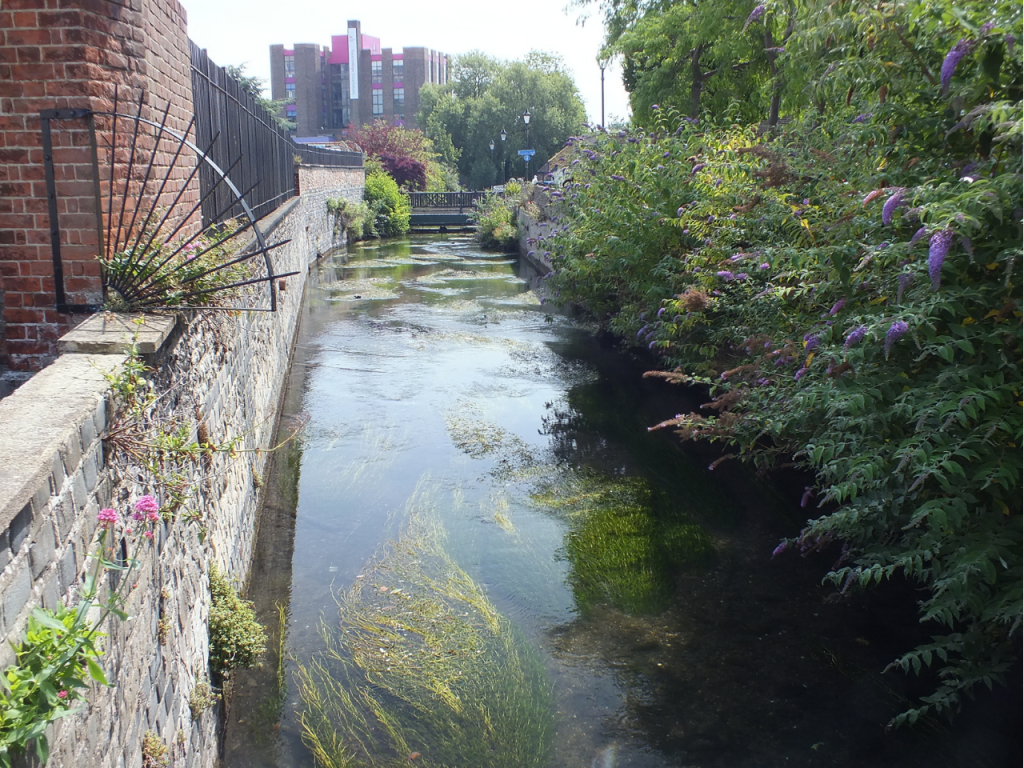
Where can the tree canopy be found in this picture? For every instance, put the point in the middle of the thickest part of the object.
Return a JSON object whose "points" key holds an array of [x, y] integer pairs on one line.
{"points": [[486, 96]]}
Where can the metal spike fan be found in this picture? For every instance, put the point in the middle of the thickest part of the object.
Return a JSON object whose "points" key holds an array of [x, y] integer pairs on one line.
{"points": [[157, 253]]}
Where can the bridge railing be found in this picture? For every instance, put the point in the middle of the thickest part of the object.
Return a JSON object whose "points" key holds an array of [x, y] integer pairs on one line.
{"points": [[449, 200]]}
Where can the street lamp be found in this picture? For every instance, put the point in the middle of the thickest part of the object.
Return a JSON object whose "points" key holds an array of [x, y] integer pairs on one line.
{"points": [[504, 172], [526, 158], [602, 62], [492, 153]]}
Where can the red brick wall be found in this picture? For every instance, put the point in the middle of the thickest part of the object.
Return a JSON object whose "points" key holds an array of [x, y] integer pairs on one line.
{"points": [[57, 54]]}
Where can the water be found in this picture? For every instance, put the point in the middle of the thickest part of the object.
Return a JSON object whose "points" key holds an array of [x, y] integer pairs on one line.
{"points": [[622, 606]]}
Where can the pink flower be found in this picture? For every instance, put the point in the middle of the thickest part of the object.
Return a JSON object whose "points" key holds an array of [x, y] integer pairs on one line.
{"points": [[153, 517], [148, 535], [108, 518], [147, 504], [62, 694]]}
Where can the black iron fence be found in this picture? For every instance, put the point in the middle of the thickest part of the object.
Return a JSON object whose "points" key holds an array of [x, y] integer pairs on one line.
{"points": [[245, 141], [458, 200]]}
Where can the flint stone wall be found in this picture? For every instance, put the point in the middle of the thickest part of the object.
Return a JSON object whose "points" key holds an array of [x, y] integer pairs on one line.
{"points": [[226, 371]]}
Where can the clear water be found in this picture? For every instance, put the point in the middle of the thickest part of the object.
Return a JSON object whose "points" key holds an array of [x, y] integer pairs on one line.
{"points": [[641, 580]]}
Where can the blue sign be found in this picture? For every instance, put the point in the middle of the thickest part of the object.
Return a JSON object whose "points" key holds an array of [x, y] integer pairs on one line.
{"points": [[527, 153]]}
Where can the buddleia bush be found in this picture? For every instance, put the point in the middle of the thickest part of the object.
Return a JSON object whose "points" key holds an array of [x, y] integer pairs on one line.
{"points": [[848, 287]]}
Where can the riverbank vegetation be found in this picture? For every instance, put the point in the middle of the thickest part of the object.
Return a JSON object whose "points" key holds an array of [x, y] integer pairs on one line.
{"points": [[495, 218], [818, 218]]}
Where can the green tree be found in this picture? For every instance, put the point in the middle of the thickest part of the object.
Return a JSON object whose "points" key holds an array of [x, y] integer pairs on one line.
{"points": [[488, 96]]}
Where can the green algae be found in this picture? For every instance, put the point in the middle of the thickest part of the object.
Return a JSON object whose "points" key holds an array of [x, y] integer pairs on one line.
{"points": [[422, 662], [625, 543]]}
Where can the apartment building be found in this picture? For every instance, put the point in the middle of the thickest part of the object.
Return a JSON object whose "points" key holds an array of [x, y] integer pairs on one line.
{"points": [[352, 83]]}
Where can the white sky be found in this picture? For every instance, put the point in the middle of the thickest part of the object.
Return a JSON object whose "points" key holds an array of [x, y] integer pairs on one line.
{"points": [[237, 31]]}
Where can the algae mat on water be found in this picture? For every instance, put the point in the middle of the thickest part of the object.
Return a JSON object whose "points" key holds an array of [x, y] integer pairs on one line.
{"points": [[422, 664]]}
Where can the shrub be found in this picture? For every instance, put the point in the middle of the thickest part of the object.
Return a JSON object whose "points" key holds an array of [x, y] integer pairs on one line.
{"points": [[408, 172], [848, 288], [388, 209], [495, 219], [348, 216], [237, 639]]}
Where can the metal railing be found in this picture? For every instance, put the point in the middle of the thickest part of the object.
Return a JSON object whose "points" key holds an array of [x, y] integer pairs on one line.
{"points": [[245, 141], [448, 200]]}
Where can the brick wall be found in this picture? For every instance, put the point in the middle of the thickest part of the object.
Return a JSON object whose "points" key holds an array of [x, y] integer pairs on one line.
{"points": [[59, 54], [55, 476]]}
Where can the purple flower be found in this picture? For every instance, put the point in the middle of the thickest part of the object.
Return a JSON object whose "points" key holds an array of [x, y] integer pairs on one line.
{"points": [[108, 517], [655, 107], [862, 118], [765, 265], [905, 281], [697, 167], [808, 495], [837, 307], [661, 312], [889, 208], [641, 332], [725, 275], [938, 247], [919, 235], [968, 246], [755, 14], [680, 211], [742, 276], [783, 546], [667, 154], [799, 374], [643, 315], [896, 330], [1010, 40], [949, 64], [986, 28], [811, 341], [651, 345], [855, 336]]}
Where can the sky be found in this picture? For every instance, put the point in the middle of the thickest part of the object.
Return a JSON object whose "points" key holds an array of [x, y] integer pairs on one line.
{"points": [[242, 31]]}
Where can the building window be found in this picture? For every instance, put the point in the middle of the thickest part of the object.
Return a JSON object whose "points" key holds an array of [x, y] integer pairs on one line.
{"points": [[376, 72], [399, 102], [398, 71], [289, 91], [289, 66], [378, 102]]}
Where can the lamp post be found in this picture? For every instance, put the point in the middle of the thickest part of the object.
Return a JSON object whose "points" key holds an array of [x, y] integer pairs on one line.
{"points": [[504, 173], [492, 153], [602, 62], [526, 158]]}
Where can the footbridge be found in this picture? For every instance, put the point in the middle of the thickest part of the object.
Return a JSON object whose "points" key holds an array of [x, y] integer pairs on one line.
{"points": [[443, 210]]}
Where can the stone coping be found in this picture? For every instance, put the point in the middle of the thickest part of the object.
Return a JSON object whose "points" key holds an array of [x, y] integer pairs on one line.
{"points": [[40, 418], [110, 333]]}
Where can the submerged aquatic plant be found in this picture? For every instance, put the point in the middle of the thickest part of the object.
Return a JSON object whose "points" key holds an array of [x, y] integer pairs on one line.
{"points": [[422, 663], [624, 546]]}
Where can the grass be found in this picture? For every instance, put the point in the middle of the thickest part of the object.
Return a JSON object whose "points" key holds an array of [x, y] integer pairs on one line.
{"points": [[420, 661]]}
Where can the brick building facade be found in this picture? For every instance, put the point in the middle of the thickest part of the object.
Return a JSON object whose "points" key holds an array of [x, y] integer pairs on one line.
{"points": [[63, 54], [352, 82]]}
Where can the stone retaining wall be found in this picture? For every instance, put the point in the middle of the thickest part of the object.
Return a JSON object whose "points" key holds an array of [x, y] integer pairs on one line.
{"points": [[226, 371]]}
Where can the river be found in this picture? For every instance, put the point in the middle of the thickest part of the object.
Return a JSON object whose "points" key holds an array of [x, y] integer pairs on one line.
{"points": [[474, 554]]}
